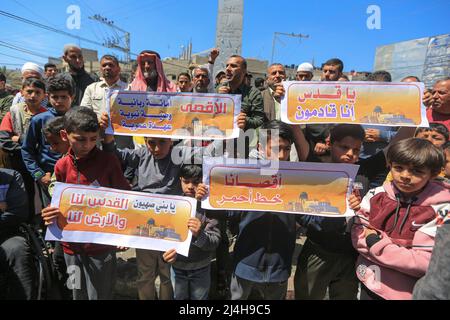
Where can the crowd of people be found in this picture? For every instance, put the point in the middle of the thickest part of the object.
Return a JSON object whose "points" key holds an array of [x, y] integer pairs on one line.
{"points": [[395, 247]]}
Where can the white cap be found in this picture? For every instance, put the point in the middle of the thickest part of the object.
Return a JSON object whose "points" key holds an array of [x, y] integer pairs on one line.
{"points": [[32, 66], [305, 66]]}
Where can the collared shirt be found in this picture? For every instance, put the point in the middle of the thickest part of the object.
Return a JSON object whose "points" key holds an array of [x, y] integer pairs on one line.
{"points": [[95, 95]]}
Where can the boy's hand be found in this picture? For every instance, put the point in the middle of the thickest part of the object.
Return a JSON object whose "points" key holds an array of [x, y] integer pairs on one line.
{"points": [[49, 214], [354, 201], [46, 179], [194, 224], [241, 120], [372, 135], [368, 231], [202, 191], [104, 121], [15, 138], [170, 256]]}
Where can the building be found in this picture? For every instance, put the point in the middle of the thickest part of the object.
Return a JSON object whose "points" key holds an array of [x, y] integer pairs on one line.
{"points": [[427, 58]]}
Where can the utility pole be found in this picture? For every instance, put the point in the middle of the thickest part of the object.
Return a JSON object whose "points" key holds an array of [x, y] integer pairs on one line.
{"points": [[115, 42], [293, 35]]}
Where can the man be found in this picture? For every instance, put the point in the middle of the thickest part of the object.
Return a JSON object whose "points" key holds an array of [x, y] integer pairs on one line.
{"points": [[95, 94], [252, 114], [272, 95], [184, 82], [150, 74], [79, 77], [317, 134], [50, 70], [440, 106], [5, 97], [304, 72], [30, 70], [252, 106], [332, 70]]}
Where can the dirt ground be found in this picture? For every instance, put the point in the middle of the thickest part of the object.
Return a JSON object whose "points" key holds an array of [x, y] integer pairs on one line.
{"points": [[127, 274]]}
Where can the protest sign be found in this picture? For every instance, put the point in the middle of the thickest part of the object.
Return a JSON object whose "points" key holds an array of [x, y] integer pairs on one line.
{"points": [[176, 115], [294, 187], [371, 103]]}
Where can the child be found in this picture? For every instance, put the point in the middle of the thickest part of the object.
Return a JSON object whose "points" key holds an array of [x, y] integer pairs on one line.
{"points": [[436, 133], [192, 273], [52, 130], [14, 127], [39, 159], [397, 222], [266, 240], [85, 164], [157, 172]]}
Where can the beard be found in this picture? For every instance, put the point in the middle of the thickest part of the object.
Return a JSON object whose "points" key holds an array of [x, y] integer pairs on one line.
{"points": [[151, 77]]}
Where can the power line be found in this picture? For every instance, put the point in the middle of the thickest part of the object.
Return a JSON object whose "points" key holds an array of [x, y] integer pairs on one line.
{"points": [[17, 58], [39, 25], [14, 47]]}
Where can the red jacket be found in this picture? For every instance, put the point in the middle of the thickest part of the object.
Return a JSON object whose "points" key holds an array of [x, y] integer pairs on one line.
{"points": [[98, 168]]}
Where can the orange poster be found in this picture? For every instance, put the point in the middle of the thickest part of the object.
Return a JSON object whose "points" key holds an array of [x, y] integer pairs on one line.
{"points": [[176, 115], [122, 218], [294, 187], [371, 103]]}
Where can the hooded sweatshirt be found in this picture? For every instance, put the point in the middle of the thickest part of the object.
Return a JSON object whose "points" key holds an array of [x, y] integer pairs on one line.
{"points": [[389, 265]]}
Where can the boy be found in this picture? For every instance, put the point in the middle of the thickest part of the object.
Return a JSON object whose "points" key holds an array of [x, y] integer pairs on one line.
{"points": [[193, 273], [436, 133], [262, 263], [14, 127], [327, 259], [395, 233], [36, 153], [52, 132], [85, 164], [157, 172]]}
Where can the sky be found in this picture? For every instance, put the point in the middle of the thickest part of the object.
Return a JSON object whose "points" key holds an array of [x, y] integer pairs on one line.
{"points": [[335, 28]]}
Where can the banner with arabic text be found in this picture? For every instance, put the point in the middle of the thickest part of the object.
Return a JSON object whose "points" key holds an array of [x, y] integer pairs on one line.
{"points": [[121, 218], [371, 103], [294, 187], [178, 115]]}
